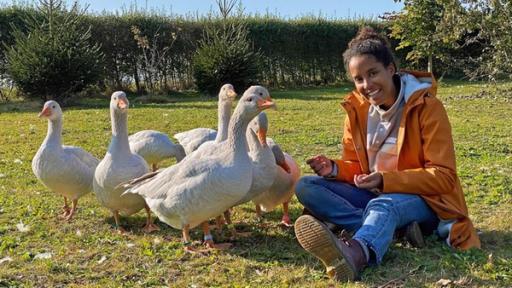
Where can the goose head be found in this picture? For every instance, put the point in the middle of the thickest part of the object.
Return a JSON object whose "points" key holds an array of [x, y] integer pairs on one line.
{"points": [[260, 126], [119, 102], [227, 93], [260, 91], [253, 101], [51, 110]]}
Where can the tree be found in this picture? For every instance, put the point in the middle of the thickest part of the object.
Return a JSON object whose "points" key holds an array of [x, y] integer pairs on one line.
{"points": [[152, 58], [422, 26], [488, 24], [55, 58], [225, 54]]}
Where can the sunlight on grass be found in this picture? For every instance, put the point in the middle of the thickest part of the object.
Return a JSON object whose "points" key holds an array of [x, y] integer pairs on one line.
{"points": [[87, 252]]}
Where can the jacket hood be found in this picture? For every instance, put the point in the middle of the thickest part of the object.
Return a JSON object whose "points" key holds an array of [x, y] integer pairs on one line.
{"points": [[411, 84]]}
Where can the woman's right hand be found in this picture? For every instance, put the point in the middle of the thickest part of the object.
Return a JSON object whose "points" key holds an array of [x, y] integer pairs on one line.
{"points": [[321, 165]]}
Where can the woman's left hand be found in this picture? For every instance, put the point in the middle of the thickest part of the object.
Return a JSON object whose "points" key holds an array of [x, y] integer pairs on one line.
{"points": [[372, 181]]}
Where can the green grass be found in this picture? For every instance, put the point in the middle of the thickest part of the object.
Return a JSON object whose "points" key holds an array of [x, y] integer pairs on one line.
{"points": [[307, 122]]}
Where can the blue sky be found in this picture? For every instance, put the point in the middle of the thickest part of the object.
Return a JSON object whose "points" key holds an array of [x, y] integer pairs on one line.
{"points": [[283, 8]]}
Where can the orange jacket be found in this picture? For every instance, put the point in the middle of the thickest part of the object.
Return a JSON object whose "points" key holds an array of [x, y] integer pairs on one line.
{"points": [[426, 158]]}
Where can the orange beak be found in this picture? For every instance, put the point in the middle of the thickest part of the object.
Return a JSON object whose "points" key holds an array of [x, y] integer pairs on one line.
{"points": [[262, 136], [265, 104], [121, 103], [285, 166], [45, 112], [231, 93]]}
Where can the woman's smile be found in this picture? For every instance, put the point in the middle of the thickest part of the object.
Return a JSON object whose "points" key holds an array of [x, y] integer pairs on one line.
{"points": [[373, 80]]}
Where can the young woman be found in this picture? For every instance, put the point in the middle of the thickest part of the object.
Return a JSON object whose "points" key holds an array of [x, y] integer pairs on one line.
{"points": [[397, 167]]}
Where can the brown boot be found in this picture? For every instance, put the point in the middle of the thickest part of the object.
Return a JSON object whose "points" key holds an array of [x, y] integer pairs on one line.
{"points": [[343, 259], [412, 234]]}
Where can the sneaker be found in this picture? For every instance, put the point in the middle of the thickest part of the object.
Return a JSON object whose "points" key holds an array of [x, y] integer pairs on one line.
{"points": [[343, 259]]}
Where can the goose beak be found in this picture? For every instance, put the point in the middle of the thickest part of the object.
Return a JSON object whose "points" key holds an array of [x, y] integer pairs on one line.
{"points": [[265, 104], [46, 112], [262, 136], [285, 166], [122, 104], [231, 93]]}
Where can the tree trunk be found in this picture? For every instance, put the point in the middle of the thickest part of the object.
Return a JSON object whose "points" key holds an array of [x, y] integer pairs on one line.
{"points": [[430, 64]]}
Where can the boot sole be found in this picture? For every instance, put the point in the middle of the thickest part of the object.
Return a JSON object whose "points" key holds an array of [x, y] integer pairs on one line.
{"points": [[316, 238]]}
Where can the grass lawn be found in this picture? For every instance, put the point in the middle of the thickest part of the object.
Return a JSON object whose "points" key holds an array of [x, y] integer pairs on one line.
{"points": [[87, 251]]}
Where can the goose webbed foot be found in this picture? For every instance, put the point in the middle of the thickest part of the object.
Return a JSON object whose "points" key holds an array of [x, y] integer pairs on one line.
{"points": [[69, 215], [285, 220], [65, 209], [217, 246], [119, 229], [150, 227]]}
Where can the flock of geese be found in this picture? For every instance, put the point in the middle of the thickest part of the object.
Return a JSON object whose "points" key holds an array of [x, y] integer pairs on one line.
{"points": [[215, 170]]}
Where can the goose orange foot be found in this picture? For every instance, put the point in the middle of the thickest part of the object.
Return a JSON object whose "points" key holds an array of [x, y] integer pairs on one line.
{"points": [[150, 227], [217, 246], [286, 222]]}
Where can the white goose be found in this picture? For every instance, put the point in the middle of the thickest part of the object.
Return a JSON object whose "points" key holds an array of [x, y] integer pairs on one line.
{"points": [[283, 187], [120, 165], [66, 170], [192, 139], [199, 188], [155, 146], [263, 161]]}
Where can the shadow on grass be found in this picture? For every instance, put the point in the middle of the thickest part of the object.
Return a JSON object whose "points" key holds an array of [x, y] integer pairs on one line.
{"points": [[176, 101], [411, 267], [268, 242], [497, 241], [101, 103]]}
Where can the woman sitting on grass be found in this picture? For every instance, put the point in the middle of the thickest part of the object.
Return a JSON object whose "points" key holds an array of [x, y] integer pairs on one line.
{"points": [[397, 167]]}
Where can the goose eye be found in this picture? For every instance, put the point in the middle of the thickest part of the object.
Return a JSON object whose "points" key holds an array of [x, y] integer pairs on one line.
{"points": [[261, 94], [53, 106], [115, 98], [249, 99]]}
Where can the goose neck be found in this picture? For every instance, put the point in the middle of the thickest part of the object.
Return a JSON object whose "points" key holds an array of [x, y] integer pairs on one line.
{"points": [[224, 116], [54, 133], [236, 134], [119, 133]]}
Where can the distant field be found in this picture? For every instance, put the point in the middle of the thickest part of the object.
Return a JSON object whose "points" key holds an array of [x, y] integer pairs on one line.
{"points": [[87, 252]]}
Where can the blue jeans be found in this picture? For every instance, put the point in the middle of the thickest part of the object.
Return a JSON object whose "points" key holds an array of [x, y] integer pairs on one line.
{"points": [[373, 218]]}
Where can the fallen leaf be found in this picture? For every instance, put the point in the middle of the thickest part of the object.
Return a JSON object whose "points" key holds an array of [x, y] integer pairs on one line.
{"points": [[443, 282], [22, 227], [463, 281], [18, 161], [5, 259], [103, 258], [46, 255]]}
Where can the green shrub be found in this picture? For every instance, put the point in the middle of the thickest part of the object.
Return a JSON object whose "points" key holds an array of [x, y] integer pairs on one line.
{"points": [[225, 56], [55, 57]]}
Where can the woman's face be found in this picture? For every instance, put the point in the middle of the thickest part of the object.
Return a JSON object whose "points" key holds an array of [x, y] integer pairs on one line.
{"points": [[373, 80]]}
